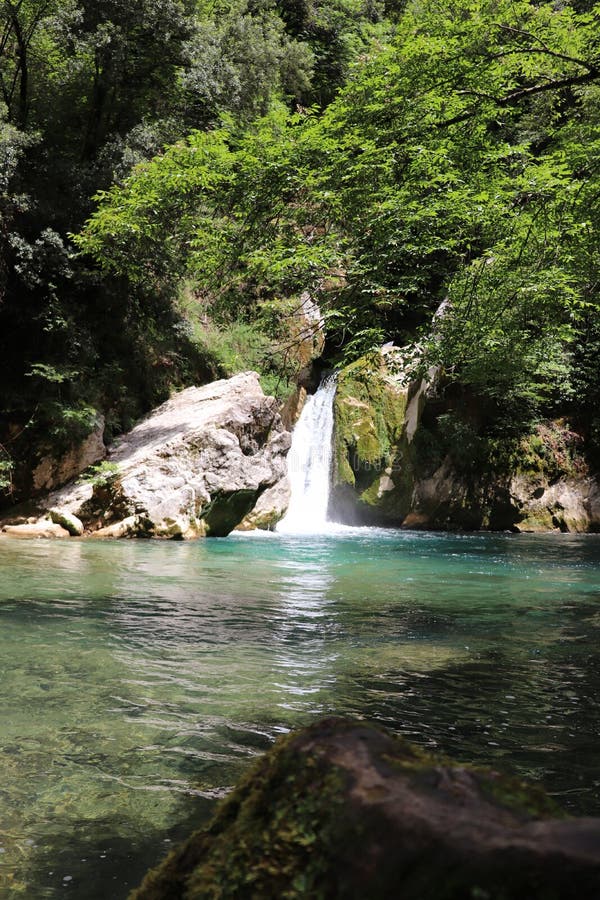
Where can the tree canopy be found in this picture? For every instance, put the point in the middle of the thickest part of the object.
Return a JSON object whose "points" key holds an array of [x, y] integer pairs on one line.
{"points": [[88, 90], [458, 163], [388, 157]]}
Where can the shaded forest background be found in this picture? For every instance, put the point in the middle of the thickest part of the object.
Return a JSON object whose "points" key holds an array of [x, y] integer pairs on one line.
{"points": [[176, 174]]}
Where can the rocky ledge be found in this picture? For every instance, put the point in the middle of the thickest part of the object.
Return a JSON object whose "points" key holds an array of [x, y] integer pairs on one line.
{"points": [[343, 810], [196, 466], [406, 458]]}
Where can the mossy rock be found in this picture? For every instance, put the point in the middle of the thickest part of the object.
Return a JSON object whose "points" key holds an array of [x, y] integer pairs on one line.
{"points": [[552, 451], [369, 414], [343, 810]]}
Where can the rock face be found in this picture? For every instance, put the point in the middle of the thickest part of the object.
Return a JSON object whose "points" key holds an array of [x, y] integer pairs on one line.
{"points": [[52, 472], [569, 504], [270, 508], [373, 410], [548, 489], [196, 466], [392, 469], [342, 810]]}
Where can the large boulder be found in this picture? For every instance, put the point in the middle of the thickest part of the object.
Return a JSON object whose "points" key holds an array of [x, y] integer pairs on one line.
{"points": [[270, 508], [571, 504], [343, 810], [43, 528], [195, 466]]}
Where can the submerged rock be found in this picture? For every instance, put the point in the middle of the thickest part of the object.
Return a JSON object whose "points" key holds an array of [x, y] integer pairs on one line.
{"points": [[196, 466], [343, 810]]}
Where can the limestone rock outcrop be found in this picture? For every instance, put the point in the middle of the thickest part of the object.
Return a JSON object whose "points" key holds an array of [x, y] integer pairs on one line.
{"points": [[53, 471], [270, 508], [395, 465], [195, 466], [343, 810], [524, 500]]}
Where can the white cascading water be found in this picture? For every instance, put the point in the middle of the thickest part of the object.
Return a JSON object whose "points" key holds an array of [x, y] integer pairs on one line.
{"points": [[309, 464]]}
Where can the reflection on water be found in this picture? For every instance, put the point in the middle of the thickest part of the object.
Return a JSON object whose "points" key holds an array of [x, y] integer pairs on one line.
{"points": [[305, 617], [138, 680]]}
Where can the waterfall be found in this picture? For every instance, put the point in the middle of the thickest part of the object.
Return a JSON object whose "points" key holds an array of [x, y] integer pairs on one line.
{"points": [[309, 463]]}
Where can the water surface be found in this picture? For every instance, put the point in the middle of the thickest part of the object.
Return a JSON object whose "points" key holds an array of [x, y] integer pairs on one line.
{"points": [[138, 680]]}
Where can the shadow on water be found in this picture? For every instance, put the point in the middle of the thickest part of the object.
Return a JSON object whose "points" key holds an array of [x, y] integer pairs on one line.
{"points": [[98, 860], [535, 715]]}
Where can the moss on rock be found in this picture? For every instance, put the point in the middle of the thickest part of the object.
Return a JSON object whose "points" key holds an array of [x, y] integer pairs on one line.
{"points": [[369, 413], [343, 810], [262, 840], [369, 416], [398, 464]]}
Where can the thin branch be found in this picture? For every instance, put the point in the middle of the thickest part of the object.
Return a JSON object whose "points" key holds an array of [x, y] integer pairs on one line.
{"points": [[544, 52], [545, 48], [516, 96]]}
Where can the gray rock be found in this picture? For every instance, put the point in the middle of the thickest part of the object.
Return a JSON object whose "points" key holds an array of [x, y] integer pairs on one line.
{"points": [[54, 471], [195, 466], [569, 504], [270, 508]]}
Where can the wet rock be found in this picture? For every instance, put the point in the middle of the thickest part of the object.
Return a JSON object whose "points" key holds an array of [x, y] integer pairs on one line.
{"points": [[343, 810], [374, 411]]}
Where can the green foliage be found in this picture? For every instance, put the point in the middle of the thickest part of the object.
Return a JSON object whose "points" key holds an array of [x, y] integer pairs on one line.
{"points": [[239, 62], [338, 33], [553, 449], [6, 471], [459, 164], [101, 475], [259, 344], [50, 373], [89, 88], [384, 156]]}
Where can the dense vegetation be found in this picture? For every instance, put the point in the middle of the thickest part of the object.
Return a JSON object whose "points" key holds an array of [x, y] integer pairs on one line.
{"points": [[393, 161], [89, 89]]}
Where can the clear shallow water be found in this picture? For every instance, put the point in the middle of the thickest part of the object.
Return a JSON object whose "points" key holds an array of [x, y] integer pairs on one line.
{"points": [[138, 680]]}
